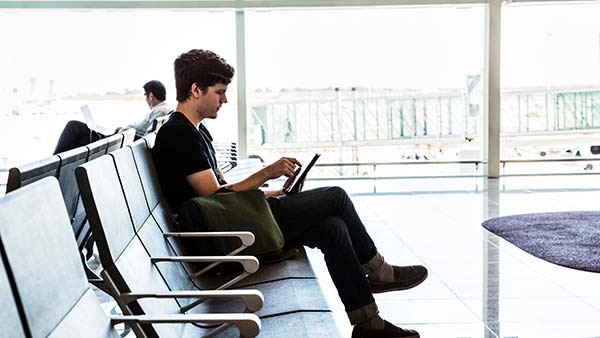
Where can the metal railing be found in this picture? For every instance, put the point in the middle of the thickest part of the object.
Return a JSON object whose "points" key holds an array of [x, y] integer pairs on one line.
{"points": [[375, 177], [375, 165], [376, 116], [538, 160]]}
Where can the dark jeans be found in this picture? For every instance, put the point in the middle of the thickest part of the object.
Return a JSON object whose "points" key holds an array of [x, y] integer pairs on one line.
{"points": [[76, 134], [325, 218]]}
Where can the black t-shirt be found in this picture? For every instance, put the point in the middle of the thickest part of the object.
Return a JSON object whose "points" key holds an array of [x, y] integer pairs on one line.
{"points": [[181, 150]]}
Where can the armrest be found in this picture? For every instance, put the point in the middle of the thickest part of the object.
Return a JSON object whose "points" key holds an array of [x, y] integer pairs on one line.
{"points": [[247, 323], [253, 299], [246, 237], [250, 263]]}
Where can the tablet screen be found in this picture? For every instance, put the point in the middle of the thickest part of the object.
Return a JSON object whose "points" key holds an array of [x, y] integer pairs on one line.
{"points": [[294, 187]]}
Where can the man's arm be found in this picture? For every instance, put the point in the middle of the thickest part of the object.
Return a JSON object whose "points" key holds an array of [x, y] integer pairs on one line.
{"points": [[205, 182], [142, 126]]}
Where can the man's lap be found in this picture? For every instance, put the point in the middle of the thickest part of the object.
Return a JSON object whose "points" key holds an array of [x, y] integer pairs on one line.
{"points": [[296, 213]]}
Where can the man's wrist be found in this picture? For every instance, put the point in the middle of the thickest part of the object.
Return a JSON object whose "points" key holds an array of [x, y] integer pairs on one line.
{"points": [[273, 193], [265, 175]]}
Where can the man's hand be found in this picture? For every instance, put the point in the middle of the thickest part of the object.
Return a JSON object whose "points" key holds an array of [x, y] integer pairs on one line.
{"points": [[285, 166], [288, 183]]}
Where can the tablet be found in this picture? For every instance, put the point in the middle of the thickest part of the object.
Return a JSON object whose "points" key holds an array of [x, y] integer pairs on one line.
{"points": [[91, 123], [294, 186]]}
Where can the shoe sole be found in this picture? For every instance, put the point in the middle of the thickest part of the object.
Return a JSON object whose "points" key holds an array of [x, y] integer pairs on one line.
{"points": [[393, 336], [376, 287], [413, 336]]}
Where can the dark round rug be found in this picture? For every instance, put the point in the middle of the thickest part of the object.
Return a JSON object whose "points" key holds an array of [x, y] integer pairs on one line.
{"points": [[570, 239]]}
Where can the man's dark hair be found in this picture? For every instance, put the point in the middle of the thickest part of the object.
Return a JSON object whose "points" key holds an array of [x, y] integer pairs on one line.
{"points": [[156, 88], [202, 67]]}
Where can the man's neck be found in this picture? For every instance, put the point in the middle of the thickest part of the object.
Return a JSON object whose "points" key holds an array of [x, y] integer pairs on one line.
{"points": [[189, 112], [156, 103]]}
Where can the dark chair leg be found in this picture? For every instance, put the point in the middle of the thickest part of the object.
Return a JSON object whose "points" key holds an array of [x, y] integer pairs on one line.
{"points": [[93, 278], [89, 246]]}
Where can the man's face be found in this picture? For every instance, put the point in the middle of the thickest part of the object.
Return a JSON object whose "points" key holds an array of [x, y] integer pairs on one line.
{"points": [[211, 101]]}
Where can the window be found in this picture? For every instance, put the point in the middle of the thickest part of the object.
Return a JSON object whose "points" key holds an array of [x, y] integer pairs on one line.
{"points": [[550, 84], [366, 84], [57, 60]]}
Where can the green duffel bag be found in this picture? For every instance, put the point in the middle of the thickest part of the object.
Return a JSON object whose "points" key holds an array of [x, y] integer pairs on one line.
{"points": [[231, 211]]}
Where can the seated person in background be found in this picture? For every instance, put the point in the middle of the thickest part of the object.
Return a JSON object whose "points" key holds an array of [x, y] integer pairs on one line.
{"points": [[156, 94], [77, 134], [324, 217]]}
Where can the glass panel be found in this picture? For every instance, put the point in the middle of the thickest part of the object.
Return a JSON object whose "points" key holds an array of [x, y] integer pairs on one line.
{"points": [[54, 61], [550, 86], [366, 84]]}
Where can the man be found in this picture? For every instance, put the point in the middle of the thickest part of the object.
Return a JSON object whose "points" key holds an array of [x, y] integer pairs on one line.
{"points": [[77, 134], [324, 217], [155, 94]]}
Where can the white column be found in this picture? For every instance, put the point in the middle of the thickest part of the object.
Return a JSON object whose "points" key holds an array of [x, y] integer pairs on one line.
{"points": [[491, 116], [240, 30], [340, 125]]}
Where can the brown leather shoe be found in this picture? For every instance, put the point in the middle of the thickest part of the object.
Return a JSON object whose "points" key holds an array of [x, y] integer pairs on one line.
{"points": [[389, 331], [405, 277]]}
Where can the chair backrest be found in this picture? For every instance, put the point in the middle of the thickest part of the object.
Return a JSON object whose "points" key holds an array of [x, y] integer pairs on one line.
{"points": [[158, 122], [131, 186], [43, 257], [163, 119], [69, 160], [108, 216], [114, 142], [11, 324], [145, 167], [97, 149], [29, 173], [128, 137], [146, 228], [153, 126], [125, 261], [226, 155], [150, 138], [68, 185], [157, 205]]}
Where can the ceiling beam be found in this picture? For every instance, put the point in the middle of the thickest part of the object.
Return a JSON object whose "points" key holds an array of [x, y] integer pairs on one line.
{"points": [[226, 4]]}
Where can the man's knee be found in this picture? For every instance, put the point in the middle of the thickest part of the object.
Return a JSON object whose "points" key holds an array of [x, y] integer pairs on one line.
{"points": [[337, 193], [334, 232], [75, 125]]}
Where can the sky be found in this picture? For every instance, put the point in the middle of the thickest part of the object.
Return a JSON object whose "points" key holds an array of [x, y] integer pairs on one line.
{"points": [[423, 48], [94, 51]]}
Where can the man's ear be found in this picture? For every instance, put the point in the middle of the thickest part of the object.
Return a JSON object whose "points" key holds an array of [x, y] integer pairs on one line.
{"points": [[195, 90]]}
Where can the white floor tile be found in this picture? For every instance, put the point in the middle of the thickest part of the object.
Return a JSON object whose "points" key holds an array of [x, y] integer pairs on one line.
{"points": [[479, 284]]}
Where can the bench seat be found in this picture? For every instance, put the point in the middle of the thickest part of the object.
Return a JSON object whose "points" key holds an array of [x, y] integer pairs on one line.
{"points": [[292, 296]]}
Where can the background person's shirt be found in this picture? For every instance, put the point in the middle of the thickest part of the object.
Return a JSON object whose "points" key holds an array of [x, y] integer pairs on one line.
{"points": [[181, 150], [157, 111]]}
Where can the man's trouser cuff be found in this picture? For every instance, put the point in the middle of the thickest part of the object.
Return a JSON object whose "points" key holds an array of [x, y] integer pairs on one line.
{"points": [[362, 314], [373, 264]]}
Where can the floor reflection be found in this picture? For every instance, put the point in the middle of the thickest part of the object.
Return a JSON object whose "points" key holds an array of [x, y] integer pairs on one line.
{"points": [[479, 284]]}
